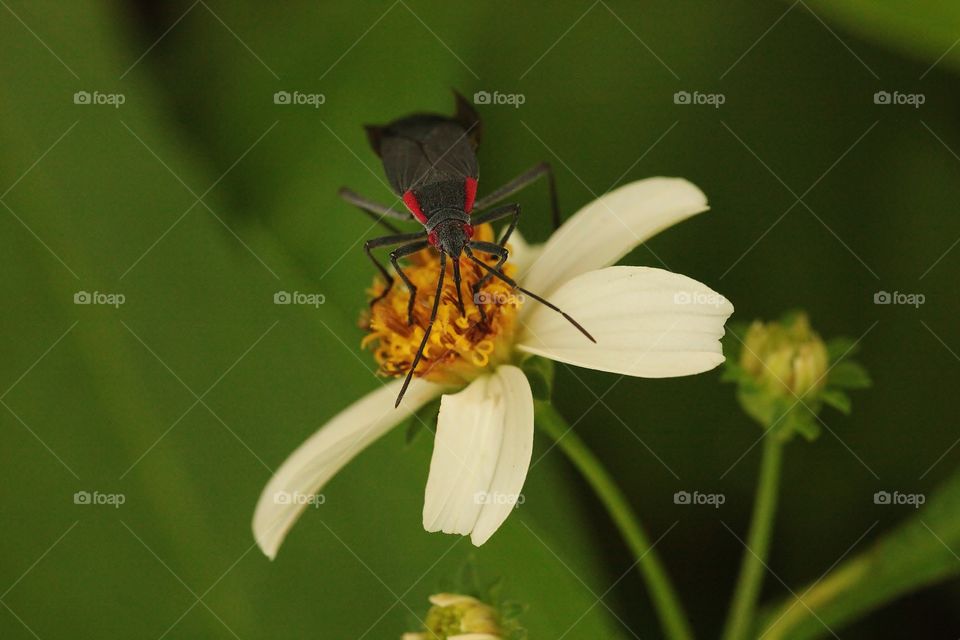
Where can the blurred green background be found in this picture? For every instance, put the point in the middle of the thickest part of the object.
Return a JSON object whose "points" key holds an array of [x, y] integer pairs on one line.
{"points": [[198, 198]]}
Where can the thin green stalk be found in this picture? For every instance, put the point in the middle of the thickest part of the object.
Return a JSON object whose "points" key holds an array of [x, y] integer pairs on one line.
{"points": [[673, 620], [753, 565]]}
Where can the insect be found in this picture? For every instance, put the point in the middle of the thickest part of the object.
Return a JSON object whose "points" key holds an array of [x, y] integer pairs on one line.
{"points": [[431, 163]]}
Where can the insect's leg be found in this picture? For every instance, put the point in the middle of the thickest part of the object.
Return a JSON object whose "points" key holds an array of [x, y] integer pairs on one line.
{"points": [[456, 281], [502, 255], [491, 216], [498, 214], [519, 183], [495, 249], [427, 331], [384, 241], [395, 256], [373, 209]]}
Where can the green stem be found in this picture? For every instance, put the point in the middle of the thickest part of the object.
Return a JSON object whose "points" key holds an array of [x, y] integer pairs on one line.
{"points": [[673, 620], [753, 565]]}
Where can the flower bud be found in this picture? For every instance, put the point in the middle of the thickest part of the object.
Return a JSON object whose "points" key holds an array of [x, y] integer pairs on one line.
{"points": [[785, 374], [453, 615], [785, 358]]}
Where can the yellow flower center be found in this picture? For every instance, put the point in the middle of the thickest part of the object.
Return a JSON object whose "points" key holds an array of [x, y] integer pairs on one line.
{"points": [[460, 346]]}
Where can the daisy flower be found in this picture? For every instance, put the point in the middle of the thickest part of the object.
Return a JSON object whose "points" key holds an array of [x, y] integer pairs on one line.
{"points": [[647, 322]]}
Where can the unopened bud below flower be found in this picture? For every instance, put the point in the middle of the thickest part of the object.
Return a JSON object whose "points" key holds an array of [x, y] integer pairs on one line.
{"points": [[785, 358], [453, 615], [785, 374]]}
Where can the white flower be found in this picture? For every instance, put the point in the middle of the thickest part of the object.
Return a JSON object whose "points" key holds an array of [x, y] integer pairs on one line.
{"points": [[647, 322]]}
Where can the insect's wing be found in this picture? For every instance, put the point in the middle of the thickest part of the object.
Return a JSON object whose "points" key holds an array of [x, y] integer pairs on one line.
{"points": [[468, 118], [403, 162], [426, 155], [450, 151], [374, 137]]}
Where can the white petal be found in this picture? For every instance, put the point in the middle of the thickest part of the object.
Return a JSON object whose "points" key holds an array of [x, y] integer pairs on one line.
{"points": [[450, 599], [481, 455], [647, 322], [308, 468], [608, 228]]}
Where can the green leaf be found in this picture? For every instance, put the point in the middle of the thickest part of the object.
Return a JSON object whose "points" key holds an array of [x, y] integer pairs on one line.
{"points": [[841, 347], [919, 552], [849, 375], [925, 29], [836, 399]]}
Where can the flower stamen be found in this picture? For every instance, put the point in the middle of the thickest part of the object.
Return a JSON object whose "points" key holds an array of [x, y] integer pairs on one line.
{"points": [[460, 346]]}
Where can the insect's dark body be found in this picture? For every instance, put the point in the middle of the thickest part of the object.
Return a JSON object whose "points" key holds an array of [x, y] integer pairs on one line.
{"points": [[431, 163]]}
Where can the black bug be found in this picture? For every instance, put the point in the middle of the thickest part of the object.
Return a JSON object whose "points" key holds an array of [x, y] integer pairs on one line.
{"points": [[431, 163]]}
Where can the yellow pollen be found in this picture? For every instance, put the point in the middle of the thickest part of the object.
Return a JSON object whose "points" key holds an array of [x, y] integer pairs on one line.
{"points": [[460, 346]]}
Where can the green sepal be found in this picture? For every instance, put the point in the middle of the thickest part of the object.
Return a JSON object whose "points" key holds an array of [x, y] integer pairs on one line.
{"points": [[805, 423]]}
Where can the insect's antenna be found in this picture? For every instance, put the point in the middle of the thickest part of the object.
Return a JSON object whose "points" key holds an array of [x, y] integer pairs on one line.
{"points": [[426, 334], [456, 281], [510, 281]]}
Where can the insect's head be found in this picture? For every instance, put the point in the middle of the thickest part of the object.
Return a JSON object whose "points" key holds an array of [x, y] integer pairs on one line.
{"points": [[451, 236]]}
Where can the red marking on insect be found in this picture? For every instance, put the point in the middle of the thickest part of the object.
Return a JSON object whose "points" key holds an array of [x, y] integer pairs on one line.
{"points": [[432, 238], [471, 189], [468, 229], [410, 200]]}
